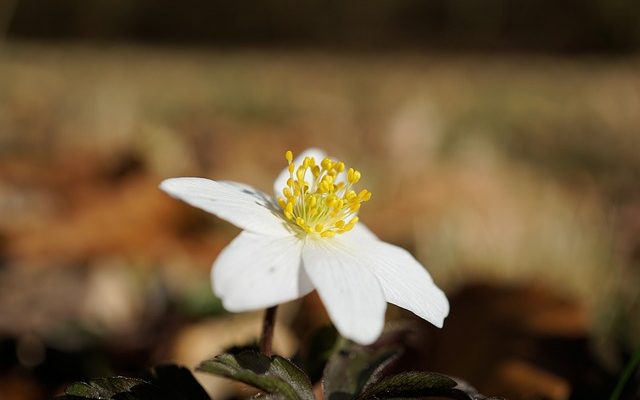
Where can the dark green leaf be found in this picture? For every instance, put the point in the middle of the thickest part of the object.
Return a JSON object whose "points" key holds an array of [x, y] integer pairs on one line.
{"points": [[103, 388], [275, 375], [169, 382], [420, 384], [293, 375], [353, 368], [409, 384]]}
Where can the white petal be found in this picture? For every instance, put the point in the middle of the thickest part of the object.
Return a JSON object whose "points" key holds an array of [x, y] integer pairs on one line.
{"points": [[348, 289], [240, 204], [359, 233], [257, 271], [405, 282], [281, 180]]}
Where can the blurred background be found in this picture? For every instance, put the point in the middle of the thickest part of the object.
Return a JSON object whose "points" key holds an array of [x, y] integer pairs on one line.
{"points": [[500, 140]]}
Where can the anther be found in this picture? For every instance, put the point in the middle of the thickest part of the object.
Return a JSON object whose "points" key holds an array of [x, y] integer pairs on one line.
{"points": [[325, 204]]}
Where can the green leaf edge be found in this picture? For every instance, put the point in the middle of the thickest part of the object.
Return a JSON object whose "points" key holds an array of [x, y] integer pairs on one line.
{"points": [[226, 365], [413, 385], [103, 388]]}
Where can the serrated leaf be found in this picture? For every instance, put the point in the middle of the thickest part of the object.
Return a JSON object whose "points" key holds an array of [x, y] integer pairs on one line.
{"points": [[102, 388], [275, 375], [353, 368], [293, 375], [420, 384], [409, 385], [167, 382]]}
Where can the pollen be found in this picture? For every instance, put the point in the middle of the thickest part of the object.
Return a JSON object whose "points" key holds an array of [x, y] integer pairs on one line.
{"points": [[319, 198]]}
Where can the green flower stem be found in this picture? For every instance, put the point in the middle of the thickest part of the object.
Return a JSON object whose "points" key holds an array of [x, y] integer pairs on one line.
{"points": [[626, 374], [268, 324]]}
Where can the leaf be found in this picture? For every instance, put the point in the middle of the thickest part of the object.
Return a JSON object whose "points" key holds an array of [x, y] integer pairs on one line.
{"points": [[420, 384], [353, 368], [102, 388], [275, 375], [167, 382], [290, 373], [410, 384]]}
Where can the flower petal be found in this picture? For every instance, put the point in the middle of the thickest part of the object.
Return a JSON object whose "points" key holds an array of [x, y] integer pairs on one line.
{"points": [[348, 289], [404, 281], [281, 180], [359, 233], [257, 271], [243, 206]]}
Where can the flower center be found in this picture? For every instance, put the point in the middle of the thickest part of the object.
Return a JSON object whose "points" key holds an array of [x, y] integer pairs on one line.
{"points": [[319, 198]]}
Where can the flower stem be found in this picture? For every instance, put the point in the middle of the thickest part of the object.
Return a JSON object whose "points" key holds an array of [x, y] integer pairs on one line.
{"points": [[267, 330], [626, 374]]}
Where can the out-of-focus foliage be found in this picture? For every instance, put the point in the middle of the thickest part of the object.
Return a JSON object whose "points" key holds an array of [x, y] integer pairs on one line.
{"points": [[576, 25]]}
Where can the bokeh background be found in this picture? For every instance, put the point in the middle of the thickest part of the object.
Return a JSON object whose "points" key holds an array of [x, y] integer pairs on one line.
{"points": [[500, 139]]}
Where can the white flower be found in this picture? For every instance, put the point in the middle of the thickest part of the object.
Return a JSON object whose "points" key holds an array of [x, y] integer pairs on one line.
{"points": [[309, 238]]}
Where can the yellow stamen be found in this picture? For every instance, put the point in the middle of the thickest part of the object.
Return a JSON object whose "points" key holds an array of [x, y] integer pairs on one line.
{"points": [[323, 202]]}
